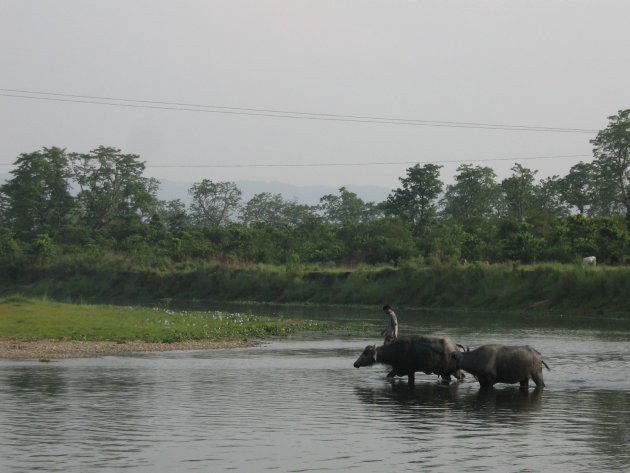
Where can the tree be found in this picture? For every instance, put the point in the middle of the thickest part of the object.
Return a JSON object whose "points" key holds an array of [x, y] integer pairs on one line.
{"points": [[37, 199], [612, 155], [579, 186], [272, 209], [606, 198], [517, 241], [345, 208], [173, 214], [384, 240], [214, 203], [549, 199], [263, 208], [112, 188], [519, 192], [298, 214], [475, 194], [415, 201], [9, 248]]}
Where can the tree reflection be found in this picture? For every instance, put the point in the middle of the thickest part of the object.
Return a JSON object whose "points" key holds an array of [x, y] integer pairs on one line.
{"points": [[610, 411], [33, 383]]}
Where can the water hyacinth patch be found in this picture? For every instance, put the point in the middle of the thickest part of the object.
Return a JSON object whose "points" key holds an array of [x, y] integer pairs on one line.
{"points": [[44, 319]]}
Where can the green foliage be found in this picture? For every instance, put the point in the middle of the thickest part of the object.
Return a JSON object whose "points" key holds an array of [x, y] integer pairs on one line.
{"points": [[43, 248], [43, 319], [475, 194], [9, 247], [518, 243], [115, 220], [265, 209], [549, 198], [579, 186], [415, 201], [112, 189], [214, 203], [37, 198], [380, 241], [612, 156], [346, 208], [520, 194]]}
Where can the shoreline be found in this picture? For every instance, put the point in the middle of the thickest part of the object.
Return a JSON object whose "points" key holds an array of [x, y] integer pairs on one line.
{"points": [[47, 349]]}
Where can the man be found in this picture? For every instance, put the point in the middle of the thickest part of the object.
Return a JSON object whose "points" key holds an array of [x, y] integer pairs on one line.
{"points": [[391, 330]]}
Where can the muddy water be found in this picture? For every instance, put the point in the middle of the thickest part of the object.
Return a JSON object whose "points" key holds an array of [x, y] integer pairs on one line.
{"points": [[298, 405]]}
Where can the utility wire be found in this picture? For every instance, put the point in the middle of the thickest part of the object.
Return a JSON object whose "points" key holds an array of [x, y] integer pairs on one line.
{"points": [[270, 113], [388, 163], [382, 163]]}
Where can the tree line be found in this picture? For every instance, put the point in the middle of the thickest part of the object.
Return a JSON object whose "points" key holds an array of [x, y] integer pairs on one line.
{"points": [[59, 202]]}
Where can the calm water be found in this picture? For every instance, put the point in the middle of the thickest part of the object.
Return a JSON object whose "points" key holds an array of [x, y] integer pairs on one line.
{"points": [[298, 405]]}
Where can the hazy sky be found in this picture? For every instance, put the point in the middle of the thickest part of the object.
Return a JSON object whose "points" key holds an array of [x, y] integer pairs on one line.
{"points": [[551, 64]]}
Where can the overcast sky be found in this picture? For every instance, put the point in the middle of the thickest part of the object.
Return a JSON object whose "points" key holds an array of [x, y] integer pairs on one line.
{"points": [[549, 64]]}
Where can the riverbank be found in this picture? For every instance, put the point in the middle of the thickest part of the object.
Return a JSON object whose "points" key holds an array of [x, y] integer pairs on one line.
{"points": [[556, 288], [49, 349], [43, 329]]}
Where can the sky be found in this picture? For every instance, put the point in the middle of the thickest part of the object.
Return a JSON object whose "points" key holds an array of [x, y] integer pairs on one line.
{"points": [[290, 90]]}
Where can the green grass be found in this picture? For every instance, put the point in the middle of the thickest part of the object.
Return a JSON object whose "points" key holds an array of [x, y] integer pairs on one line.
{"points": [[562, 288], [22, 317]]}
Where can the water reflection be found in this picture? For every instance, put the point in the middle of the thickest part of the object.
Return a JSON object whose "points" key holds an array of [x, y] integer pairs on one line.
{"points": [[34, 384], [88, 420], [610, 413], [428, 397], [505, 400], [296, 405]]}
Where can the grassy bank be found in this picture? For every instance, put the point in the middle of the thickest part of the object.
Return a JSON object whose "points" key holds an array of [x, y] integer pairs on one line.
{"points": [[543, 287], [42, 319]]}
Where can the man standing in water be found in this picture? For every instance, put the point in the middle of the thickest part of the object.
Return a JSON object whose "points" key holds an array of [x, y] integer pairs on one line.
{"points": [[391, 330]]}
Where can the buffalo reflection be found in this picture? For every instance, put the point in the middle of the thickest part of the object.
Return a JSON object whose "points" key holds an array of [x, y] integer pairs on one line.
{"points": [[436, 398]]}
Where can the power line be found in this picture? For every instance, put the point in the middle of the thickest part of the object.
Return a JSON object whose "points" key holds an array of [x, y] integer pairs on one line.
{"points": [[270, 113], [385, 163], [381, 163]]}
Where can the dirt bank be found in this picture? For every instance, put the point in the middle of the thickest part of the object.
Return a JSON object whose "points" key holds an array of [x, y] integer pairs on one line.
{"points": [[20, 348]]}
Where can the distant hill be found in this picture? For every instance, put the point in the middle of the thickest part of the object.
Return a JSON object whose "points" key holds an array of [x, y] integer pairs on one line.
{"points": [[308, 195]]}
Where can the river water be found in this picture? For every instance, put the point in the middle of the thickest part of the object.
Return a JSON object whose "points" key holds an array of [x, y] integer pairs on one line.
{"points": [[297, 404]]}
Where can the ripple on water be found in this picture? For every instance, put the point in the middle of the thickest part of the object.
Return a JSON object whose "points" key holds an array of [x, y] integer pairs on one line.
{"points": [[300, 406]]}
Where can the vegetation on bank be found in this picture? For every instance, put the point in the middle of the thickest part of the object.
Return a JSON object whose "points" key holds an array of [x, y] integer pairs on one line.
{"points": [[60, 203], [542, 287], [89, 226], [39, 318]]}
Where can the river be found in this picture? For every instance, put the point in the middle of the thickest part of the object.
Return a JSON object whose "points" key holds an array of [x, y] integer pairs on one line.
{"points": [[296, 404]]}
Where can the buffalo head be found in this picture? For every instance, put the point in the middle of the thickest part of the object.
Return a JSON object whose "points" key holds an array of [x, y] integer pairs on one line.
{"points": [[456, 356], [367, 358]]}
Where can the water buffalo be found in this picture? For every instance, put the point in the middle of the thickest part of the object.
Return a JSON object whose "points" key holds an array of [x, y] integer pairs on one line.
{"points": [[492, 364], [411, 353], [619, 259]]}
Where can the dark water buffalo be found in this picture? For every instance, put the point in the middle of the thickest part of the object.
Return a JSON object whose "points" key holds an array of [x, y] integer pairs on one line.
{"points": [[492, 364], [411, 353], [619, 259]]}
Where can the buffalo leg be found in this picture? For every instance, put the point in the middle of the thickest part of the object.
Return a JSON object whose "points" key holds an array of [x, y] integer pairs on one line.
{"points": [[412, 377], [538, 378], [485, 381]]}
